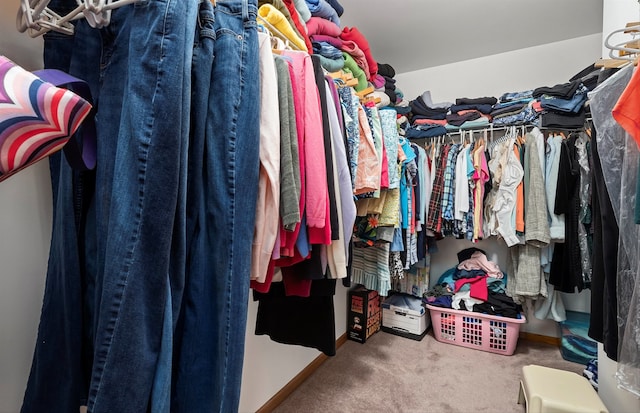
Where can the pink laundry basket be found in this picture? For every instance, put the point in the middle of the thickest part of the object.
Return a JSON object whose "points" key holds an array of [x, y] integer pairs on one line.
{"points": [[476, 330]]}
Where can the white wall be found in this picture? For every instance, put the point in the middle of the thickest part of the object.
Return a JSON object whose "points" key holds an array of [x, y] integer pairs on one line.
{"points": [[25, 225], [616, 400], [544, 65], [616, 14]]}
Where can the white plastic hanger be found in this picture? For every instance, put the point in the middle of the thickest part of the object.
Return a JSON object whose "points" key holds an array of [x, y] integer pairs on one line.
{"points": [[36, 18], [629, 53], [95, 13]]}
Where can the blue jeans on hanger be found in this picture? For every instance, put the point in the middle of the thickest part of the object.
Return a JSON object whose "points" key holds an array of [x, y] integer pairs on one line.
{"points": [[126, 287], [222, 197], [143, 121], [58, 380]]}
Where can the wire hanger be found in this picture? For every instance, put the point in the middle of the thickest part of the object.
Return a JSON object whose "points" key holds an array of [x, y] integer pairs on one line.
{"points": [[510, 132]]}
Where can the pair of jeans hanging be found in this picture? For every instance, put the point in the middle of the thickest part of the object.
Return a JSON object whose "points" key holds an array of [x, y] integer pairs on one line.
{"points": [[123, 267]]}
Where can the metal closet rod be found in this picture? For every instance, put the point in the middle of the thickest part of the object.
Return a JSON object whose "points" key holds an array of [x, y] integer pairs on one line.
{"points": [[489, 129]]}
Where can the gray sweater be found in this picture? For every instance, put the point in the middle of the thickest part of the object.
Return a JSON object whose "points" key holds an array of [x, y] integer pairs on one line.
{"points": [[289, 160], [535, 221]]}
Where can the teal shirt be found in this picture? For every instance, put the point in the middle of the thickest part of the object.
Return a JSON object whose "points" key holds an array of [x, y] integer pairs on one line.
{"points": [[405, 193]]}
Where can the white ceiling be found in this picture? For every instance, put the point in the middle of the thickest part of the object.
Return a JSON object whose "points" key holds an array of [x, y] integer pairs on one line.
{"points": [[416, 34]]}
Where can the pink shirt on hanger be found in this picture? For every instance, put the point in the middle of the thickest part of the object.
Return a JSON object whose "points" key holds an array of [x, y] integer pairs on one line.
{"points": [[316, 197]]}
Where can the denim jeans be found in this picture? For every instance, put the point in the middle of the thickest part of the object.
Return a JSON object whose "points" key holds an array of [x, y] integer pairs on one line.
{"points": [[59, 343], [143, 121], [60, 370], [572, 105], [211, 328], [121, 287]]}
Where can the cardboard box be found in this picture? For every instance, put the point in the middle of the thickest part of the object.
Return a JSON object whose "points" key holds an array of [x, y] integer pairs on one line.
{"points": [[404, 315], [363, 318]]}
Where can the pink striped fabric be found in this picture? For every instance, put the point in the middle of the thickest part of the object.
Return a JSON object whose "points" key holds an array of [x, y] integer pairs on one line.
{"points": [[36, 117]]}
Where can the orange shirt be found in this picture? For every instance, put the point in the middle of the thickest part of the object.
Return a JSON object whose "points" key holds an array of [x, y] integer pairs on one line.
{"points": [[627, 110], [519, 198]]}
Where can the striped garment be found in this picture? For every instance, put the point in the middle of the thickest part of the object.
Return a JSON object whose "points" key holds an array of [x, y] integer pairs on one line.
{"points": [[370, 267], [449, 183], [36, 117]]}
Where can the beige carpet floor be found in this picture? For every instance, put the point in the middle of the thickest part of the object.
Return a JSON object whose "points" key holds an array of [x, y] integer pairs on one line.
{"points": [[394, 374]]}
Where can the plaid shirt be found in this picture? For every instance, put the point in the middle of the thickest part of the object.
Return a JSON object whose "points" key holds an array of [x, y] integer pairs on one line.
{"points": [[434, 218]]}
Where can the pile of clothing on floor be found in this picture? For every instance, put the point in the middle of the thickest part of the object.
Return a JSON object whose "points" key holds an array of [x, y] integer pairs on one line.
{"points": [[475, 284]]}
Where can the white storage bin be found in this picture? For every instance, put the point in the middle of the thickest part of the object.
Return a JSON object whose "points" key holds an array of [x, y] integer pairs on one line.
{"points": [[404, 315]]}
